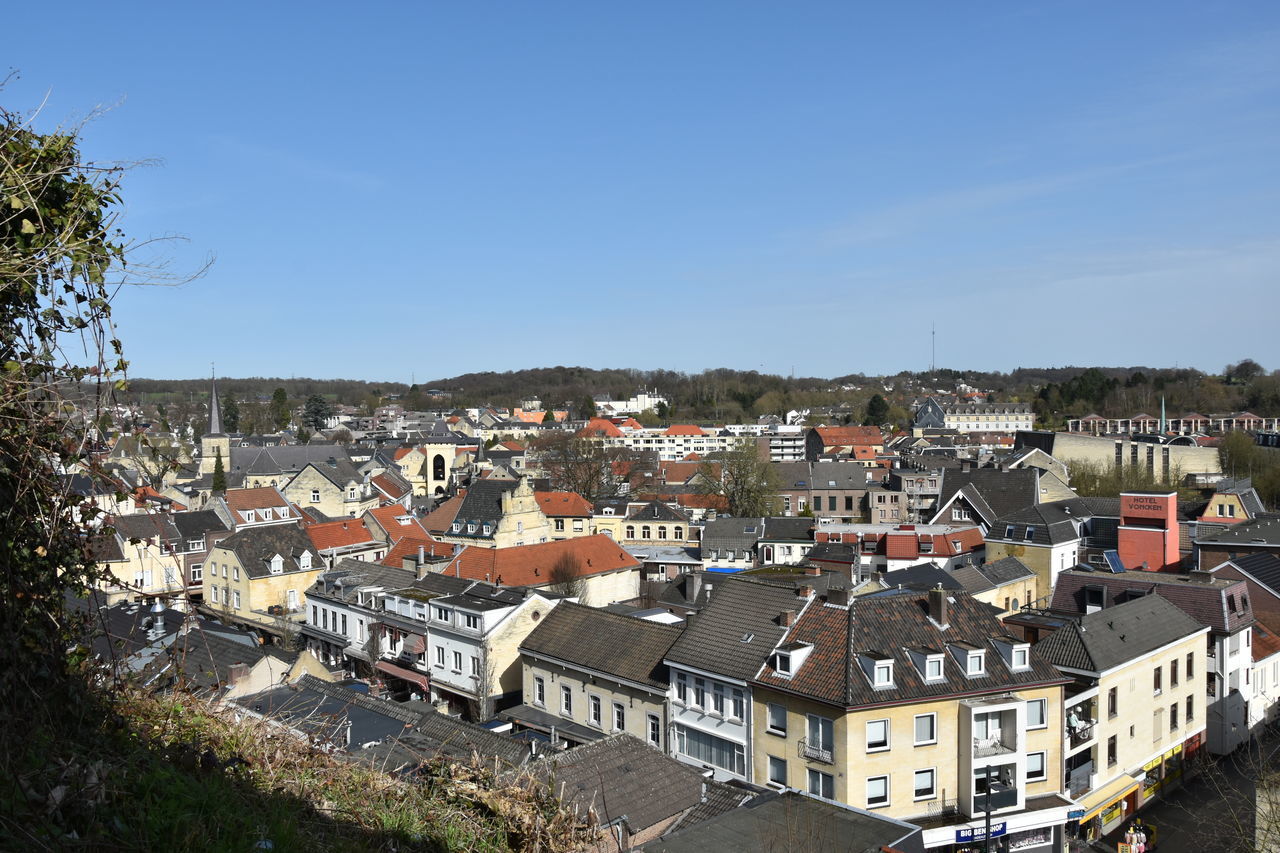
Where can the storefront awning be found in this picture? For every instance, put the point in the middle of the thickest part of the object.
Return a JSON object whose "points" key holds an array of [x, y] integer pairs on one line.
{"points": [[407, 674], [1106, 795]]}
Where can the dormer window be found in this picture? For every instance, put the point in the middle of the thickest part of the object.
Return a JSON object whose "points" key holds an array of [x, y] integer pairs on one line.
{"points": [[441, 614], [1021, 658], [1015, 653], [471, 527], [926, 547], [782, 664], [277, 564], [1029, 534], [976, 664], [488, 530], [1008, 531], [304, 561], [248, 516], [789, 657], [456, 528], [933, 668], [884, 674]]}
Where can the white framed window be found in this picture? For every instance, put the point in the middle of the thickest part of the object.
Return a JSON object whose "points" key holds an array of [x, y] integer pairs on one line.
{"points": [[717, 698], [925, 784], [619, 717], [197, 573], [699, 692], [1037, 767], [441, 614], [777, 770], [654, 729], [235, 573], [739, 703], [1021, 656], [235, 596], [439, 655], [777, 724], [877, 791], [315, 496], [475, 665], [566, 699], [593, 710], [977, 664], [877, 735], [213, 592], [884, 673], [457, 661], [1036, 714], [682, 687], [933, 668], [539, 691], [926, 729], [822, 784], [471, 621]]}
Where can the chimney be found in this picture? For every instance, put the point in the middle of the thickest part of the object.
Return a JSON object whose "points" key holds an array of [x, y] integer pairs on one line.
{"points": [[813, 571], [838, 597], [804, 591], [422, 554], [1200, 576], [236, 673], [787, 618], [695, 585], [938, 605], [409, 563]]}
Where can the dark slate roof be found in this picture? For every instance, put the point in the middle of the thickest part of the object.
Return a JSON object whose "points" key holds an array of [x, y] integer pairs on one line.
{"points": [[740, 607], [1116, 635], [198, 523], [322, 710], [790, 529], [793, 821], [288, 458], [343, 581], [837, 475], [792, 475], [656, 511], [255, 546], [337, 468], [146, 526], [1204, 600], [608, 643], [738, 534], [1262, 567], [1004, 492], [201, 660], [888, 625], [623, 776], [836, 552], [483, 504], [123, 630], [439, 736], [922, 577], [1261, 532], [1243, 487], [1000, 572]]}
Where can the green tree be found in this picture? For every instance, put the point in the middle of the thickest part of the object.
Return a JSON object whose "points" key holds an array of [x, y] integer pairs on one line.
{"points": [[748, 483], [877, 411], [60, 256], [581, 464], [230, 414], [315, 412], [279, 409], [219, 473]]}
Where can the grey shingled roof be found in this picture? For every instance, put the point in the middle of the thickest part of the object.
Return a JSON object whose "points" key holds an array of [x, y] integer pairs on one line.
{"points": [[198, 523], [1116, 635], [991, 575], [483, 505], [255, 546], [1262, 567], [739, 534], [740, 607], [789, 529], [1004, 492], [1259, 533], [924, 576], [145, 525], [1205, 600], [344, 581], [608, 643], [656, 511]]}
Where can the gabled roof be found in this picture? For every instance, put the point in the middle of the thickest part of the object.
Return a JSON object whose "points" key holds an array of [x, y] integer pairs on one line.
{"points": [[1204, 600], [483, 502], [263, 497], [255, 546], [441, 518], [201, 660], [407, 546], [340, 534], [1004, 492], [196, 523], [850, 436], [397, 521], [683, 429], [600, 427], [731, 532], [889, 624], [923, 577], [562, 504], [391, 485], [1258, 533], [655, 511], [738, 628], [1262, 567], [992, 575], [531, 565], [622, 646], [1116, 635], [146, 526]]}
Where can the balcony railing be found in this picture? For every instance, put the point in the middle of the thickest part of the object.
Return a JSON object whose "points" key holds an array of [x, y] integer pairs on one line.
{"points": [[1080, 780], [1081, 735], [984, 747], [1000, 799], [816, 753]]}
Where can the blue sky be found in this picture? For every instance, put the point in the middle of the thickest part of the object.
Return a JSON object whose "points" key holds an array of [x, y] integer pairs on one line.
{"points": [[397, 190]]}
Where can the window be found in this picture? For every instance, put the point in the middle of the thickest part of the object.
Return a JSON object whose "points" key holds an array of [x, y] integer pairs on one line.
{"points": [[559, 524], [977, 664], [877, 791], [1191, 664], [717, 698], [654, 729], [214, 591], [439, 655], [470, 620], [739, 703], [926, 729], [933, 669], [315, 615], [1020, 655], [1036, 714], [566, 700], [700, 692], [1111, 751], [877, 735], [682, 687], [1113, 703], [777, 720], [822, 784], [1157, 724], [457, 661], [441, 614], [197, 573], [1173, 673], [324, 619], [593, 710], [235, 573], [644, 531], [315, 496], [1191, 709], [475, 665], [777, 770], [926, 782], [236, 596], [1173, 717], [631, 531], [821, 735], [344, 624], [662, 531], [709, 749], [539, 691], [1156, 681], [884, 674], [1037, 769]]}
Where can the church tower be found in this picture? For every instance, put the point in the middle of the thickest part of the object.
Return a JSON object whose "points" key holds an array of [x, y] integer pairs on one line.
{"points": [[215, 441]]}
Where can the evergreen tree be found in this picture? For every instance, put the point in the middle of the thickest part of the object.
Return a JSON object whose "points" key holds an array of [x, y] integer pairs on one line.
{"points": [[315, 411], [877, 411], [219, 473], [280, 408], [231, 414]]}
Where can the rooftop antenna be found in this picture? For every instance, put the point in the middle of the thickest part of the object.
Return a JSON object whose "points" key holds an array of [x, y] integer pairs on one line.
{"points": [[933, 347]]}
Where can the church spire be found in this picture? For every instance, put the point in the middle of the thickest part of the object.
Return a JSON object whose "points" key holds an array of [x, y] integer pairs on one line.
{"points": [[215, 410]]}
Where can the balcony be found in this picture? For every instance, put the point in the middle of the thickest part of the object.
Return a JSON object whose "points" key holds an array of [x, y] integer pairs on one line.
{"points": [[1001, 798], [1080, 780], [1081, 734], [816, 753], [985, 747]]}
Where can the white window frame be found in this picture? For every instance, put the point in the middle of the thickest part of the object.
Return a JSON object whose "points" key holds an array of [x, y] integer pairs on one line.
{"points": [[980, 657], [595, 710], [933, 725], [653, 729], [916, 796], [1044, 713], [1044, 766], [770, 727], [888, 739], [887, 797], [566, 699]]}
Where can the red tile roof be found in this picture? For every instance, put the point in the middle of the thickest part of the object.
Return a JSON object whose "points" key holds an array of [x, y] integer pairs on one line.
{"points": [[679, 472], [1266, 635], [717, 502], [439, 519], [555, 504], [684, 429], [402, 452], [850, 436], [397, 521], [530, 565], [389, 487], [339, 534], [511, 445], [408, 547], [600, 426], [262, 497]]}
